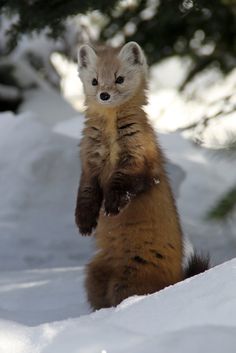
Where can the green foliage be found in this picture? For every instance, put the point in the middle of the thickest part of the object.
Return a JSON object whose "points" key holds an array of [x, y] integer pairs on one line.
{"points": [[225, 207], [160, 33], [37, 15], [202, 29]]}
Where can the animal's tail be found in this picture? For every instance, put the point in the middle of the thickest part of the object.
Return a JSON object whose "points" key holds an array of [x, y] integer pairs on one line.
{"points": [[197, 264]]}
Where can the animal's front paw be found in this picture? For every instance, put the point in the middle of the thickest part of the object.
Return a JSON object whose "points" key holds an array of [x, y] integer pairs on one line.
{"points": [[85, 224], [115, 201], [86, 219]]}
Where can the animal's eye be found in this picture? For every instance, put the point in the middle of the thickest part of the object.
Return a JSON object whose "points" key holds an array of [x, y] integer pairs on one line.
{"points": [[120, 79], [94, 82]]}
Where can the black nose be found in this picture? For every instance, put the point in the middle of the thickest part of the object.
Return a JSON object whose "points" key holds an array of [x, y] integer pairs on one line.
{"points": [[104, 96]]}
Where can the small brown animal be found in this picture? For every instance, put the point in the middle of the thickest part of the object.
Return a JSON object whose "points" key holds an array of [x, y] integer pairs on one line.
{"points": [[124, 193]]}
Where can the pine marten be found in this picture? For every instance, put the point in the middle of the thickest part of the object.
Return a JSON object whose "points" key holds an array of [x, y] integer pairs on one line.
{"points": [[124, 193]]}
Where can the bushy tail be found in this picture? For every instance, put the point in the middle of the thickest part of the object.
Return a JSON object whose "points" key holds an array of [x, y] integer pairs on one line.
{"points": [[197, 264]]}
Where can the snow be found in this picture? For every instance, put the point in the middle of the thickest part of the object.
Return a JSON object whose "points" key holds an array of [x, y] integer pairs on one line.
{"points": [[198, 314], [33, 297], [40, 98], [38, 184]]}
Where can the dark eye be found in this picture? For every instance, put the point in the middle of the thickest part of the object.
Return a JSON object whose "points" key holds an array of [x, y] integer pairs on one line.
{"points": [[120, 79], [94, 82]]}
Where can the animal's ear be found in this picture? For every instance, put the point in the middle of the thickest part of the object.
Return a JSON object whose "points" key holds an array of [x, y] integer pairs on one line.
{"points": [[132, 53], [86, 56]]}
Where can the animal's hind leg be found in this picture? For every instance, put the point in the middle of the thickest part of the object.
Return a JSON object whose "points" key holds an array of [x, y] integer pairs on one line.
{"points": [[138, 281], [96, 283]]}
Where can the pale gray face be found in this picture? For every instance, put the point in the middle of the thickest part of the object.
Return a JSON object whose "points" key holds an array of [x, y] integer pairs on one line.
{"points": [[111, 77]]}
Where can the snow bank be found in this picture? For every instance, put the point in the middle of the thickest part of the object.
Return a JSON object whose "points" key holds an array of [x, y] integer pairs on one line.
{"points": [[197, 315], [38, 184]]}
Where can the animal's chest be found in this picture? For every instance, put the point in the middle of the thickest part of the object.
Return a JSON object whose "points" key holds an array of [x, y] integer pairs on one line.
{"points": [[104, 147], [110, 142]]}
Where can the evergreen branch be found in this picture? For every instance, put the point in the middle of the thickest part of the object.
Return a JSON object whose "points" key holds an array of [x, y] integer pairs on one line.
{"points": [[225, 206]]}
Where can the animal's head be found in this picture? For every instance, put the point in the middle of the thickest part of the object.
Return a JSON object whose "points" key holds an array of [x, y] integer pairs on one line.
{"points": [[111, 76]]}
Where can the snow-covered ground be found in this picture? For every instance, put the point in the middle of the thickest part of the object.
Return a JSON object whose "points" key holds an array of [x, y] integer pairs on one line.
{"points": [[43, 307], [197, 315]]}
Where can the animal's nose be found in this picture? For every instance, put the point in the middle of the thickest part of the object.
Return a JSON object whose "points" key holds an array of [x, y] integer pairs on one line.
{"points": [[104, 96]]}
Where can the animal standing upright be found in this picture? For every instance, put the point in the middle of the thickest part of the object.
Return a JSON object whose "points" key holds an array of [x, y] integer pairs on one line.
{"points": [[124, 193]]}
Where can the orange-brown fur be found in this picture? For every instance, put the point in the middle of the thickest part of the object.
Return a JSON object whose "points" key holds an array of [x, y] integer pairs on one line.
{"points": [[140, 242]]}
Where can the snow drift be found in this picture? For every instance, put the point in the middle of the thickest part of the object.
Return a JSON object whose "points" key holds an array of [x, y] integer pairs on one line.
{"points": [[197, 315]]}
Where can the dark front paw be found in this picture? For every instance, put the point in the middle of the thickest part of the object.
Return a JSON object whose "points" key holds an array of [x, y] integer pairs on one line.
{"points": [[87, 211], [115, 201], [86, 219], [89, 201], [123, 188]]}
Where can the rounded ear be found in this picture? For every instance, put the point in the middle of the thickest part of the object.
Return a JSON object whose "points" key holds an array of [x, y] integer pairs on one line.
{"points": [[131, 52], [86, 56]]}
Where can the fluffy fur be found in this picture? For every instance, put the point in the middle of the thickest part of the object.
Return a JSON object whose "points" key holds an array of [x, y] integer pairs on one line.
{"points": [[124, 193]]}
